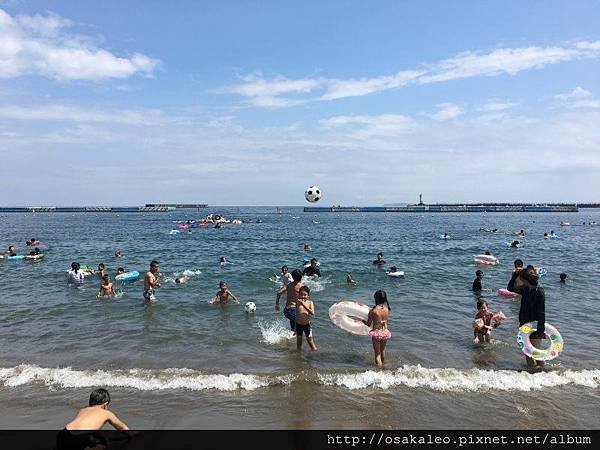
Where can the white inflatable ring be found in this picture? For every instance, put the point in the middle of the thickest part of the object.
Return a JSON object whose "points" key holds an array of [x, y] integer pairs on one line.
{"points": [[485, 259], [348, 315], [540, 354], [399, 273]]}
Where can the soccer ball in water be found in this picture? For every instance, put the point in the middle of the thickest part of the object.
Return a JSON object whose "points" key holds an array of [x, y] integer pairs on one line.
{"points": [[250, 307], [313, 194]]}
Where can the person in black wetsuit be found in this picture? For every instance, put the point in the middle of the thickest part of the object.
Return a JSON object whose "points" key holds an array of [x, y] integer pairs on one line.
{"points": [[477, 288], [533, 308], [518, 267], [312, 270], [379, 261]]}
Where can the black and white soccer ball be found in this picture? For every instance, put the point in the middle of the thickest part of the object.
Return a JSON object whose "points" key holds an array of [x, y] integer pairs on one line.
{"points": [[313, 194], [250, 307]]}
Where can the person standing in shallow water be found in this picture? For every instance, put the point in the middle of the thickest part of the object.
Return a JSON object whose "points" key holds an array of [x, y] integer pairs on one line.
{"points": [[533, 308], [151, 282], [378, 320], [292, 292]]}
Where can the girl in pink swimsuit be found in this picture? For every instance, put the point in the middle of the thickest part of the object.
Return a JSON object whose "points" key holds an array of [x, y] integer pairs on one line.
{"points": [[377, 320]]}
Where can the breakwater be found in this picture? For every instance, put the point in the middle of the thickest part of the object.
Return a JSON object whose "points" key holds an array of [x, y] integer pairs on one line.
{"points": [[451, 208]]}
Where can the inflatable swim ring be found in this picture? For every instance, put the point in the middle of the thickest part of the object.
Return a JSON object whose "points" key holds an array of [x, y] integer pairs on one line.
{"points": [[488, 260], [541, 271], [16, 257], [128, 276], [507, 294], [540, 354], [398, 273], [348, 315], [564, 224]]}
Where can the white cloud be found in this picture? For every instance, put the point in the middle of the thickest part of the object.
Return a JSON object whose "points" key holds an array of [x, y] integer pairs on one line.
{"points": [[447, 111], [494, 105], [590, 103], [575, 94], [67, 113], [40, 45], [281, 91], [371, 126]]}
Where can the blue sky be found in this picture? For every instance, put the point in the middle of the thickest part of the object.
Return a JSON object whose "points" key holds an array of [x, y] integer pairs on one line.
{"points": [[248, 103]]}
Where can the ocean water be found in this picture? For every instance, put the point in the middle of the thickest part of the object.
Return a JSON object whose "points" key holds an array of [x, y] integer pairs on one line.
{"points": [[185, 363]]}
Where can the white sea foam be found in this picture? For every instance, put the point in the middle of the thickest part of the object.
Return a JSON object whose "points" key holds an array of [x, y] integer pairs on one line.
{"points": [[141, 379], [273, 332], [316, 284], [462, 380], [417, 377]]}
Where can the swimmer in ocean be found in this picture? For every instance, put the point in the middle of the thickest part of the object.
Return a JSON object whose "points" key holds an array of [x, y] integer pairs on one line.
{"points": [[307, 248], [223, 295], [379, 260], [312, 270], [101, 271], [106, 289], [349, 279], [222, 260], [181, 279], [515, 243], [118, 253], [563, 277]]}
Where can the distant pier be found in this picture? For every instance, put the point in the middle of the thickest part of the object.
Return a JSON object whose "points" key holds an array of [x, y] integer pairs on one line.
{"points": [[456, 208]]}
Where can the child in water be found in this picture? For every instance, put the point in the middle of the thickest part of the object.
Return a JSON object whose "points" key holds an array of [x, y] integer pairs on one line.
{"points": [[106, 289], [222, 296], [349, 279], [482, 325], [377, 320], [304, 309]]}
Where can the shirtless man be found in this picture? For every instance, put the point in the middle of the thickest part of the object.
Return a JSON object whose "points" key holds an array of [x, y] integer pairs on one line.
{"points": [[89, 419], [151, 282], [304, 309], [291, 291]]}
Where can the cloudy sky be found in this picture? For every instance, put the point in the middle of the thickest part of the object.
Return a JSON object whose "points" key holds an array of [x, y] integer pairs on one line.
{"points": [[249, 102]]}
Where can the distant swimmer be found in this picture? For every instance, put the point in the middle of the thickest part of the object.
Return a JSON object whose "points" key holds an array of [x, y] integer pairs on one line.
{"points": [[378, 321], [118, 253], [445, 236], [91, 418], [305, 308], [32, 242], [307, 248], [34, 255], [563, 277], [379, 259], [11, 250], [223, 294], [181, 279], [521, 233], [75, 274], [515, 244], [151, 282], [312, 270], [120, 271], [291, 291], [222, 260], [349, 279], [106, 289]]}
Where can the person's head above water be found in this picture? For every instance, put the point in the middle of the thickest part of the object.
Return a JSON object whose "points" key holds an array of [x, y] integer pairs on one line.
{"points": [[120, 270], [487, 252], [479, 273], [380, 298], [222, 285], [563, 277], [177, 280], [75, 266], [314, 261], [154, 266], [393, 269], [379, 255], [101, 266], [297, 275], [518, 263], [284, 269], [99, 397]]}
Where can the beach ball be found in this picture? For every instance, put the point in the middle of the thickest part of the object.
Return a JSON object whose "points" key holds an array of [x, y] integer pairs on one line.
{"points": [[313, 194], [250, 307]]}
